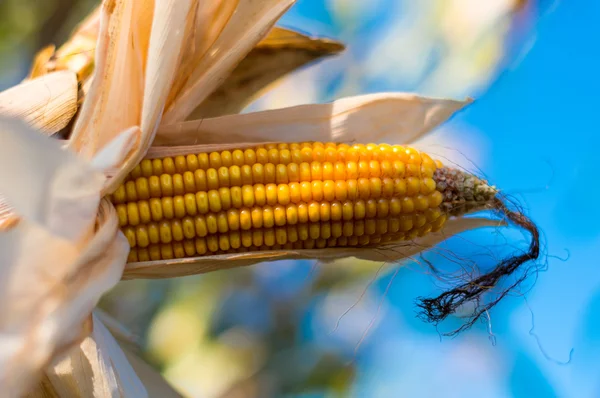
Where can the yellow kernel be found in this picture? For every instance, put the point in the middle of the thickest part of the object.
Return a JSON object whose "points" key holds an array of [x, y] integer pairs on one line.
{"points": [[164, 230], [421, 202], [283, 194], [168, 210], [177, 230], [180, 164], [223, 176], [413, 186], [178, 188], [169, 166], [236, 197], [215, 160], [435, 199], [214, 201], [154, 252], [122, 214], [279, 215], [144, 211], [133, 216], [200, 226], [408, 205], [131, 191], [295, 195], [225, 198], [136, 172], [212, 179], [154, 187], [157, 167], [189, 200], [202, 203], [166, 185], [200, 246], [179, 206], [317, 190], [119, 196]]}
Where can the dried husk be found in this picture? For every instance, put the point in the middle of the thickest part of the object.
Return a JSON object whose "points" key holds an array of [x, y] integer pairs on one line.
{"points": [[76, 55], [101, 367], [278, 54], [62, 252], [245, 27], [48, 102], [97, 368], [131, 81], [384, 117]]}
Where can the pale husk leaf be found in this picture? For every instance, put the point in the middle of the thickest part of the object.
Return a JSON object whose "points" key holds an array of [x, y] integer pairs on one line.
{"points": [[48, 102], [250, 22], [155, 384], [395, 118], [39, 66], [278, 54], [138, 52], [392, 252], [205, 23], [96, 368], [113, 101], [63, 252]]}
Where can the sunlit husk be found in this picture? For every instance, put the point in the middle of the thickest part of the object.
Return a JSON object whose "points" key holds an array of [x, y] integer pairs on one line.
{"points": [[250, 22], [62, 252], [76, 55], [96, 368], [48, 102], [278, 54], [395, 118], [131, 81], [281, 52]]}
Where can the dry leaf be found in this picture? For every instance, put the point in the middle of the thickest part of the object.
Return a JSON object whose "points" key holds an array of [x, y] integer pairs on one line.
{"points": [[278, 54], [47, 102], [250, 22], [387, 117], [96, 368], [64, 251]]}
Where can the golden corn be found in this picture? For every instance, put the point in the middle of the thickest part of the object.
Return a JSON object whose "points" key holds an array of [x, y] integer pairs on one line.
{"points": [[307, 195]]}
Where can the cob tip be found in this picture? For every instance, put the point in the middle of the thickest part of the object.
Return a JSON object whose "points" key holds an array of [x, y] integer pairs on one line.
{"points": [[465, 193]]}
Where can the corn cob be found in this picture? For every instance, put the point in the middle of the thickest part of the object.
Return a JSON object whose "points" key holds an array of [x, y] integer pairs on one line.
{"points": [[288, 196]]}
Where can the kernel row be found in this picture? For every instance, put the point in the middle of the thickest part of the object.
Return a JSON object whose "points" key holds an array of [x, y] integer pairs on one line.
{"points": [[284, 193], [281, 154], [200, 226], [234, 176], [144, 212], [267, 240]]}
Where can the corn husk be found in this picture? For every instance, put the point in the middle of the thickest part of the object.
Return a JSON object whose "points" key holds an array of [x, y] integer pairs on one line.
{"points": [[387, 117], [281, 52], [62, 252], [48, 102], [76, 55], [41, 61], [245, 27], [131, 81], [278, 54], [100, 367]]}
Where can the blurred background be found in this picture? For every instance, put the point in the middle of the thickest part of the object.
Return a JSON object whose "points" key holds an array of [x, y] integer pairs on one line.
{"points": [[350, 328]]}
